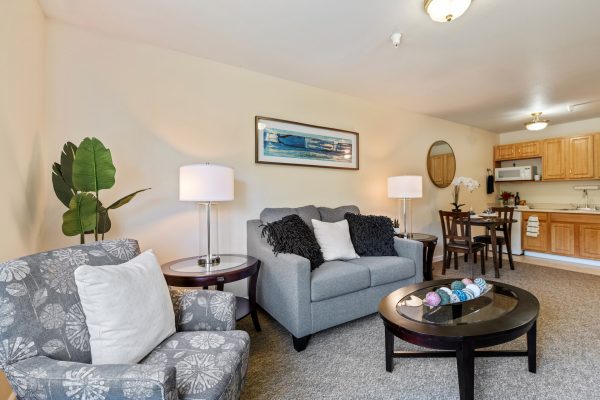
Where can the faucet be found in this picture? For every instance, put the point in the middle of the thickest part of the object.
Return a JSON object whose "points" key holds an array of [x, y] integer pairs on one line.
{"points": [[585, 194]]}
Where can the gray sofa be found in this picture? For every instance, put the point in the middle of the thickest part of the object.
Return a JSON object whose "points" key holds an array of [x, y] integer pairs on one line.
{"points": [[306, 302], [45, 347]]}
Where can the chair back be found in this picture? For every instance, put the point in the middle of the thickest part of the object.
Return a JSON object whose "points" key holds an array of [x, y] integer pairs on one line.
{"points": [[40, 310], [456, 227], [505, 213]]}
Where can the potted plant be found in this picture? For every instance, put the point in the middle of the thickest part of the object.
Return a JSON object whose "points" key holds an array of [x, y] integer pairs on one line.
{"points": [[82, 173], [470, 183]]}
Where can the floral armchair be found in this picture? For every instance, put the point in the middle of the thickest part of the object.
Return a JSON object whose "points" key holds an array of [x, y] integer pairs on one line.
{"points": [[44, 341]]}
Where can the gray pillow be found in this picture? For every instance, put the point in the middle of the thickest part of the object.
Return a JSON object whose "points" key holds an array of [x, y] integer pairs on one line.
{"points": [[307, 213], [336, 214]]}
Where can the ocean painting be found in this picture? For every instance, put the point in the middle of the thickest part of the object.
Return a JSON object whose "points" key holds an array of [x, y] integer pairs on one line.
{"points": [[284, 142]]}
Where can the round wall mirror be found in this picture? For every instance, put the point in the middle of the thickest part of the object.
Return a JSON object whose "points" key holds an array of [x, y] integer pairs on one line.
{"points": [[441, 164]]}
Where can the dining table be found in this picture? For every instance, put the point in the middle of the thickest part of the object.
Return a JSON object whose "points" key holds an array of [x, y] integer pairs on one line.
{"points": [[493, 224]]}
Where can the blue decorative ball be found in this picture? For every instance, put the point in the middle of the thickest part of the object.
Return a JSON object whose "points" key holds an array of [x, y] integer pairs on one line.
{"points": [[444, 297], [461, 295], [457, 285], [469, 293], [454, 298], [481, 283]]}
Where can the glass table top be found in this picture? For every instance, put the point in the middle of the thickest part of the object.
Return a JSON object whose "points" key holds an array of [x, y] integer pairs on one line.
{"points": [[228, 262], [494, 304]]}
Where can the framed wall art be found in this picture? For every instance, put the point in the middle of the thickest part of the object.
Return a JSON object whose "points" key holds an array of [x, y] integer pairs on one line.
{"points": [[294, 143]]}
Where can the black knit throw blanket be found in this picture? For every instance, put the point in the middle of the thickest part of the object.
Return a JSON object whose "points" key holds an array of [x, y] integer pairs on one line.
{"points": [[291, 235]]}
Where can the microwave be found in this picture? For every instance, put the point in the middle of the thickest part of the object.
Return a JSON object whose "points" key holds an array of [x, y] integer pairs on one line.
{"points": [[524, 173]]}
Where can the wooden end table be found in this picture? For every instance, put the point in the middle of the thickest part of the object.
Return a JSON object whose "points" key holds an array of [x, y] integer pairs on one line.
{"points": [[429, 243], [185, 272]]}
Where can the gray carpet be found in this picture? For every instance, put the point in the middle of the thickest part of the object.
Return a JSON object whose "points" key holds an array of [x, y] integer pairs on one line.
{"points": [[347, 362]]}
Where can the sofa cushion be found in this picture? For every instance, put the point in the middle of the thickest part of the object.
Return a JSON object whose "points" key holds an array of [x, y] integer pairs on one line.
{"points": [[336, 214], [371, 235], [307, 213], [335, 278], [387, 269], [291, 235], [209, 365]]}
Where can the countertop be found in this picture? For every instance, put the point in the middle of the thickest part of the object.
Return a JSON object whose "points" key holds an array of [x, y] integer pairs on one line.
{"points": [[549, 210]]}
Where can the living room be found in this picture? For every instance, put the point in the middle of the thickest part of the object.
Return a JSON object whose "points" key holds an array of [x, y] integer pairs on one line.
{"points": [[170, 84]]}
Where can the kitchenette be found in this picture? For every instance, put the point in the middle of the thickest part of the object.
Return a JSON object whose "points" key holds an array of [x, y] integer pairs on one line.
{"points": [[557, 182]]}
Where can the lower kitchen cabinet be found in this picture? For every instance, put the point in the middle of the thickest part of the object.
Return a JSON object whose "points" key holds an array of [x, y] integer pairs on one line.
{"points": [[562, 239]]}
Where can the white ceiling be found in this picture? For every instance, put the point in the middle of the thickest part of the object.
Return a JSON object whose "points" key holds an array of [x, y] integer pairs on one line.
{"points": [[490, 68]]}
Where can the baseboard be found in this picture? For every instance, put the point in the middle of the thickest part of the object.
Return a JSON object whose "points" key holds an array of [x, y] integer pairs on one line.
{"points": [[581, 261]]}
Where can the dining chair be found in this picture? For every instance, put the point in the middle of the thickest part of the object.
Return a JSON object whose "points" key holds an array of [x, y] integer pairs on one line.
{"points": [[456, 231], [506, 214]]}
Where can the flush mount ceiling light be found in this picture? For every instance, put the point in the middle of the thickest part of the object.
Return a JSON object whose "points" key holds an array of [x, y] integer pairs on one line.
{"points": [[446, 10], [537, 124], [396, 38]]}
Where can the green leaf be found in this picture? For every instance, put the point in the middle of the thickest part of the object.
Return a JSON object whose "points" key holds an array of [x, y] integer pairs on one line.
{"points": [[81, 216], [66, 162], [93, 168], [63, 191], [125, 200], [104, 223]]}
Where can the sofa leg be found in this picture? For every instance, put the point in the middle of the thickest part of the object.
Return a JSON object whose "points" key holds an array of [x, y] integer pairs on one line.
{"points": [[300, 343]]}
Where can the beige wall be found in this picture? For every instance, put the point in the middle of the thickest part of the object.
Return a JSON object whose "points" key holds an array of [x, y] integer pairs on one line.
{"points": [[552, 192], [158, 109], [22, 42]]}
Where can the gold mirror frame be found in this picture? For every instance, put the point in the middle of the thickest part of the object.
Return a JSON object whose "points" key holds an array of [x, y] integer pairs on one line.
{"points": [[441, 167]]}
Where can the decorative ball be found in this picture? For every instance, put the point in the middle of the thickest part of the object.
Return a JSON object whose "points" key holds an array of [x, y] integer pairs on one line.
{"points": [[454, 298], [467, 281], [433, 299], [444, 297], [461, 295], [469, 293], [457, 285], [481, 283], [445, 289], [475, 289]]}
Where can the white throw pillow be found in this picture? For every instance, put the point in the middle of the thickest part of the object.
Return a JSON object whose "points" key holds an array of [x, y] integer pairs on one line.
{"points": [[127, 307], [334, 239]]}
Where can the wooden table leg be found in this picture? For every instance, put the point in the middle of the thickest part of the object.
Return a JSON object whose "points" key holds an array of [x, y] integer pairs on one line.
{"points": [[508, 239], [465, 362], [252, 298], [389, 350], [428, 249], [531, 348], [495, 252]]}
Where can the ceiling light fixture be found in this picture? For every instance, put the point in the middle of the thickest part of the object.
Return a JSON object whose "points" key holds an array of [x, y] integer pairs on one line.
{"points": [[537, 124], [446, 10]]}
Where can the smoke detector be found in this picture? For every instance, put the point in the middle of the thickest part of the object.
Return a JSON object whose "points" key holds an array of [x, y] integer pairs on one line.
{"points": [[396, 38]]}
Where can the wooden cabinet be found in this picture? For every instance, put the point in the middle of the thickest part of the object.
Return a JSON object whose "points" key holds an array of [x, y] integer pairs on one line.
{"points": [[539, 243], [554, 161], [505, 152], [580, 157], [565, 234], [597, 155], [529, 149], [562, 238], [589, 241]]}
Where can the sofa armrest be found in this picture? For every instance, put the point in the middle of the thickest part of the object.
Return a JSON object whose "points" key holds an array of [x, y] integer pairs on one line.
{"points": [[413, 250], [44, 378], [283, 288], [203, 310]]}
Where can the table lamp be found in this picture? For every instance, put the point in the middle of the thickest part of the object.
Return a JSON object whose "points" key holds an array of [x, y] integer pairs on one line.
{"points": [[206, 184], [405, 187]]}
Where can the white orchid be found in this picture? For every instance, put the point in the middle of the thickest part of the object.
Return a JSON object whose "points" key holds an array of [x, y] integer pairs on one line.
{"points": [[470, 183]]}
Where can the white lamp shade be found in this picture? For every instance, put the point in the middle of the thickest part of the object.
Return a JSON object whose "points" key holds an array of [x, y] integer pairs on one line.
{"points": [[205, 183], [405, 187]]}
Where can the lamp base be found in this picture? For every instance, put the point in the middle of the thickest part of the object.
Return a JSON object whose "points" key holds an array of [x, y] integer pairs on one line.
{"points": [[209, 260]]}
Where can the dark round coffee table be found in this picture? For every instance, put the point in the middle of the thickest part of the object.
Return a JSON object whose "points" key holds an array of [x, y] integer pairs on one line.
{"points": [[501, 315], [185, 272]]}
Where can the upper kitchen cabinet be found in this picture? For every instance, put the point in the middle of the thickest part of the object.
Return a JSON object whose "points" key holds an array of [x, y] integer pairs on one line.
{"points": [[505, 152], [554, 161], [597, 155], [529, 149], [580, 157]]}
